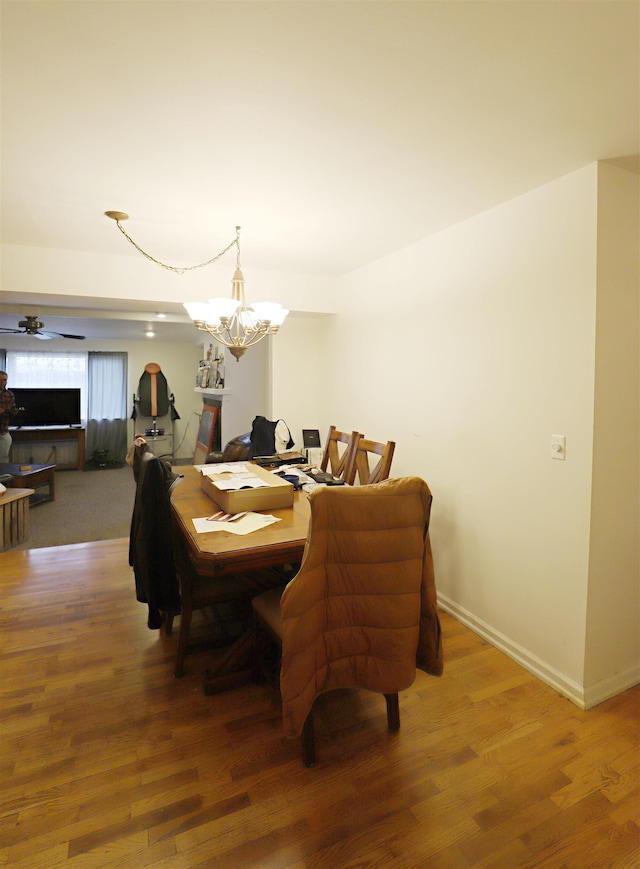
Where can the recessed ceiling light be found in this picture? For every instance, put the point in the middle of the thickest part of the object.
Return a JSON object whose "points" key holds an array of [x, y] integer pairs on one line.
{"points": [[161, 316], [150, 333]]}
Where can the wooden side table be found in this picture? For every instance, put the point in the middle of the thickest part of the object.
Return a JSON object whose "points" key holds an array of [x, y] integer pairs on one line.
{"points": [[14, 517]]}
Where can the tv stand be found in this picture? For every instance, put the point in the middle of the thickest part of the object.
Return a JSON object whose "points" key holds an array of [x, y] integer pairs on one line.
{"points": [[52, 434]]}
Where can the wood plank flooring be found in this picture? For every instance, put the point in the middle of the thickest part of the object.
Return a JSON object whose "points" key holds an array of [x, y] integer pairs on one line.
{"points": [[108, 761]]}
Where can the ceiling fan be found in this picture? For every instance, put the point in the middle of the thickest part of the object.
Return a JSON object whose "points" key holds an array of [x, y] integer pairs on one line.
{"points": [[33, 326]]}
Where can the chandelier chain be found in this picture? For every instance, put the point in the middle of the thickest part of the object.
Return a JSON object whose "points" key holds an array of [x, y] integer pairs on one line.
{"points": [[180, 270], [236, 326]]}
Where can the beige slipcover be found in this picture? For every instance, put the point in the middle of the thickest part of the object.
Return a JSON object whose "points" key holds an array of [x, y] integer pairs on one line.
{"points": [[361, 612]]}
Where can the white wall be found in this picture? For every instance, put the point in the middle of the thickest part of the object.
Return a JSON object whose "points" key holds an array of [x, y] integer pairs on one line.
{"points": [[613, 616], [129, 276], [292, 391], [301, 393], [248, 381], [71, 273], [179, 363], [470, 349]]}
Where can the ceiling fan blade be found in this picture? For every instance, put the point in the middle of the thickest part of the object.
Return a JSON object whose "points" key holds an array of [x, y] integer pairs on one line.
{"points": [[45, 334], [31, 326]]}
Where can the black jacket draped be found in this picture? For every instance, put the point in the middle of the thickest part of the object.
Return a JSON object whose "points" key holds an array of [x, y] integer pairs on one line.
{"points": [[150, 542]]}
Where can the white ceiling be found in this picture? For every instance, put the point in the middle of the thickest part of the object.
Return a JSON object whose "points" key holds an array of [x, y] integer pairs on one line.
{"points": [[333, 132]]}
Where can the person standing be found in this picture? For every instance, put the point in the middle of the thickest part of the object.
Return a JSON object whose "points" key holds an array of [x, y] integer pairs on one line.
{"points": [[8, 410]]}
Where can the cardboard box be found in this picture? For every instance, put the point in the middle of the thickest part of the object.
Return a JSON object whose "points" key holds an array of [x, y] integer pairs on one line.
{"points": [[278, 492]]}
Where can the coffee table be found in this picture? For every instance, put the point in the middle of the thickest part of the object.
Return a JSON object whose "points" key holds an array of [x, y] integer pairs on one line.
{"points": [[33, 477]]}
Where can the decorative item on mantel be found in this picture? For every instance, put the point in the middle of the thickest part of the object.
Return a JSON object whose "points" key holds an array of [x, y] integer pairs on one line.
{"points": [[230, 321], [220, 371], [211, 370]]}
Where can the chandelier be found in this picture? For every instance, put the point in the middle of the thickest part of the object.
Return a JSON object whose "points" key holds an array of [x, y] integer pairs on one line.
{"points": [[228, 320]]}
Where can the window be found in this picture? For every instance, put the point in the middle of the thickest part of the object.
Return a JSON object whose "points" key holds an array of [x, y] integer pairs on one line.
{"points": [[31, 369]]}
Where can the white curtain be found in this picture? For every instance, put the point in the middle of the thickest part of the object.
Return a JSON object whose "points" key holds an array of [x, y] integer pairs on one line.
{"points": [[107, 405]]}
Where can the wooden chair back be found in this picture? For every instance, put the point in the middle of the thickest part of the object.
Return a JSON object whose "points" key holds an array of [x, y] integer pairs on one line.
{"points": [[340, 454], [366, 472]]}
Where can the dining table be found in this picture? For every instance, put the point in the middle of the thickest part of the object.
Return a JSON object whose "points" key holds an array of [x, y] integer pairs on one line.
{"points": [[219, 565]]}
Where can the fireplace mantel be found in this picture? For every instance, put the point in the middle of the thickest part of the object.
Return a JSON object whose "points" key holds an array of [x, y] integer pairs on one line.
{"points": [[214, 393]]}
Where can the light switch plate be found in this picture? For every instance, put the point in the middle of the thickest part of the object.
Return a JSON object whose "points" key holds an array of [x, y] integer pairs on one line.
{"points": [[558, 447]]}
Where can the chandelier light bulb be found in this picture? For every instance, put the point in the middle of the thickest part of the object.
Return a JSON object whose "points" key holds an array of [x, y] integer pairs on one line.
{"points": [[270, 312]]}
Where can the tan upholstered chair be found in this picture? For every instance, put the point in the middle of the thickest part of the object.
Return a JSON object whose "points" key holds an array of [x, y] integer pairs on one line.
{"points": [[367, 452], [361, 612], [339, 454]]}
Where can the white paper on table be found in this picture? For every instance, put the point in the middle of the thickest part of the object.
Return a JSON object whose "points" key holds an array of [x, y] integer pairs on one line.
{"points": [[245, 525], [223, 468], [236, 482]]}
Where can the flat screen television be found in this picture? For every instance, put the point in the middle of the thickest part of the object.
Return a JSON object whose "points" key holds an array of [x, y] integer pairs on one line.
{"points": [[43, 407]]}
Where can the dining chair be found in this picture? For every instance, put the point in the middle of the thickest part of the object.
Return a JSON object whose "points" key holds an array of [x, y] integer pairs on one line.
{"points": [[225, 605], [362, 611], [363, 468], [339, 454], [150, 549], [203, 593]]}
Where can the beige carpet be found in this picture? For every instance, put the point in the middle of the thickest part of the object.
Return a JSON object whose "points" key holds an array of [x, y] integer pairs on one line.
{"points": [[89, 505]]}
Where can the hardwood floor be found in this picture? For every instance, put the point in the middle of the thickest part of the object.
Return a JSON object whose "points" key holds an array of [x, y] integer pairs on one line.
{"points": [[108, 761]]}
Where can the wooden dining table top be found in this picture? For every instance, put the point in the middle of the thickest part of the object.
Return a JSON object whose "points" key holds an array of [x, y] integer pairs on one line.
{"points": [[220, 552]]}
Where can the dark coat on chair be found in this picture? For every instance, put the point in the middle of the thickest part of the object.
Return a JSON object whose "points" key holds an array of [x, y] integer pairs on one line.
{"points": [[150, 542], [263, 437]]}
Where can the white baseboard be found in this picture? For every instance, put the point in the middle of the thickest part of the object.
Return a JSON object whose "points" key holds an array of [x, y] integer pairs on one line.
{"points": [[612, 686], [583, 698]]}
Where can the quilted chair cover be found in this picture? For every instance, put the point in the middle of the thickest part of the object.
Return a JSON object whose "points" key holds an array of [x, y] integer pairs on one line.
{"points": [[361, 612]]}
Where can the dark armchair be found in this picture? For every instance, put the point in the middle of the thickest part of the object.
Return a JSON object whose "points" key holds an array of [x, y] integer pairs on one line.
{"points": [[237, 450], [265, 438]]}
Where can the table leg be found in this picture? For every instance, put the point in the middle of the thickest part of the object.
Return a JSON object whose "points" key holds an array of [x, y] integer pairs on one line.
{"points": [[233, 668]]}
